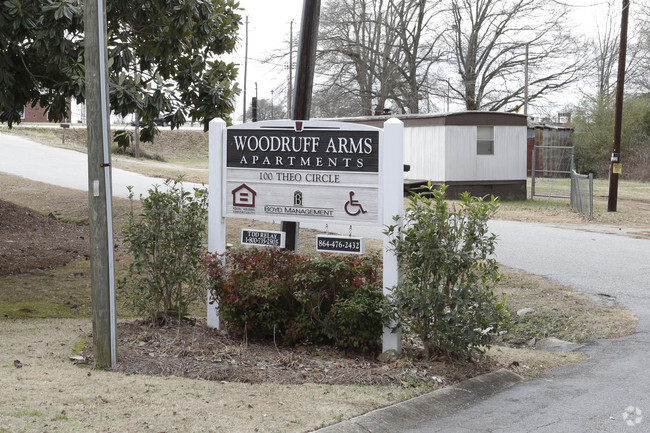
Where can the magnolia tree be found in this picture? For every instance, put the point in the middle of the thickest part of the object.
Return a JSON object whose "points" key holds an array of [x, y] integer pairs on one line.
{"points": [[163, 59]]}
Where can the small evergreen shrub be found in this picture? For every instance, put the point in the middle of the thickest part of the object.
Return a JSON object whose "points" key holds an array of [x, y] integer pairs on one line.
{"points": [[269, 293], [445, 297], [166, 241]]}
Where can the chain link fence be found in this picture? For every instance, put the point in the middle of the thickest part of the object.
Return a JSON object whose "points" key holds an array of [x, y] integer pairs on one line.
{"points": [[553, 176], [551, 171]]}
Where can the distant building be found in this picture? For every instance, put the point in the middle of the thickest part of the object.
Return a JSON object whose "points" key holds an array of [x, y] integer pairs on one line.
{"points": [[37, 114], [546, 134], [483, 152]]}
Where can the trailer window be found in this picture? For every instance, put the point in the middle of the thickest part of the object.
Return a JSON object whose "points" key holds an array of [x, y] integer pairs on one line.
{"points": [[485, 140]]}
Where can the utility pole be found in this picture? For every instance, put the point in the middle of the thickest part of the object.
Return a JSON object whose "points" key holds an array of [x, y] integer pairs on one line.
{"points": [[615, 161], [526, 83], [102, 274], [306, 60], [303, 87], [290, 84], [245, 68]]}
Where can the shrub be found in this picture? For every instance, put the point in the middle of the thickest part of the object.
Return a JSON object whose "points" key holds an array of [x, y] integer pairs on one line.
{"points": [[329, 299], [445, 296], [166, 241]]}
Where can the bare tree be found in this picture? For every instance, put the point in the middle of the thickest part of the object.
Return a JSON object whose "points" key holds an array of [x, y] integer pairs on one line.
{"points": [[332, 102], [417, 49], [642, 78], [488, 41], [350, 38], [375, 50], [606, 47]]}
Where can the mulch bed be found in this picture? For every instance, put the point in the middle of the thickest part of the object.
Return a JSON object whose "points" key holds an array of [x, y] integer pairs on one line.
{"points": [[191, 349]]}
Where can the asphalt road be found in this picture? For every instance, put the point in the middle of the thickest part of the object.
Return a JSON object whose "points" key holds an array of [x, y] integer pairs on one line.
{"points": [[63, 167], [609, 393]]}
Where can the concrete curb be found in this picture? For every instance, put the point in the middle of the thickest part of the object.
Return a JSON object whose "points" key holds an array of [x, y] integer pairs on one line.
{"points": [[400, 416]]}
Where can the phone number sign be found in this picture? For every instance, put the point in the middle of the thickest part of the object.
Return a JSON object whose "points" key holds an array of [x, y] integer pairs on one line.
{"points": [[303, 171], [339, 244]]}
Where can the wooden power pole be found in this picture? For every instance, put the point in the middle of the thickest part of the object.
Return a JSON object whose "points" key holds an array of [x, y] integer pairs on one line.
{"points": [[290, 84], [615, 162], [301, 107], [99, 185]]}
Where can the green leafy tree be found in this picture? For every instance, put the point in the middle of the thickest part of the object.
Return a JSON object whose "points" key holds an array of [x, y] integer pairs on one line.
{"points": [[167, 245], [445, 254], [593, 123], [163, 58]]}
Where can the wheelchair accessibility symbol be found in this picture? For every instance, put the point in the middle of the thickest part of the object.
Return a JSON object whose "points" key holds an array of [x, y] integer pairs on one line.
{"points": [[353, 207]]}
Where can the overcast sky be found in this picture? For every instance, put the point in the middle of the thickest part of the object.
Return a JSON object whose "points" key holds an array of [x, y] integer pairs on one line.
{"points": [[268, 30]]}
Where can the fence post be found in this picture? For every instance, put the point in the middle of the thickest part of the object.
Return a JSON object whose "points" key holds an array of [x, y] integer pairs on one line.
{"points": [[532, 173], [591, 196]]}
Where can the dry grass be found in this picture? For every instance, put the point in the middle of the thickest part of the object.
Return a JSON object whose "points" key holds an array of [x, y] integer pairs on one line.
{"points": [[49, 393], [632, 211], [559, 312]]}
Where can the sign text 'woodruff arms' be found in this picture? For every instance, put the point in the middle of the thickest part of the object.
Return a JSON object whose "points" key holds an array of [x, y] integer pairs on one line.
{"points": [[328, 150]]}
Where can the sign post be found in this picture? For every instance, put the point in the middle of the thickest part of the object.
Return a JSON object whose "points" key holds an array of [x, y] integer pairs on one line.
{"points": [[393, 179], [216, 219]]}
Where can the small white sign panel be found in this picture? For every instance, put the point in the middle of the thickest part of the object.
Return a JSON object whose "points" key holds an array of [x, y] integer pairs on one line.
{"points": [[303, 171]]}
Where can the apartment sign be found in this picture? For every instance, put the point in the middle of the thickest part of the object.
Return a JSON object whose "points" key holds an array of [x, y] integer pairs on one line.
{"points": [[303, 171]]}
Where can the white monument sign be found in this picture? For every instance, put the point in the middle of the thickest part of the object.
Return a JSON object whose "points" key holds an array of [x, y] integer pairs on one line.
{"points": [[315, 171]]}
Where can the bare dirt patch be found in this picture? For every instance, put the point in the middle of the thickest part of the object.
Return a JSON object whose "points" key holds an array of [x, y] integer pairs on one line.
{"points": [[31, 242]]}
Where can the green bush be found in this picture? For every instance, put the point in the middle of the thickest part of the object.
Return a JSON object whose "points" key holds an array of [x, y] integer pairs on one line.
{"points": [[166, 241], [445, 295], [268, 293]]}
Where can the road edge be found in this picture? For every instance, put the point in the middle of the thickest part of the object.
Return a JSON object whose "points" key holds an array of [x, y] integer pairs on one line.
{"points": [[402, 415]]}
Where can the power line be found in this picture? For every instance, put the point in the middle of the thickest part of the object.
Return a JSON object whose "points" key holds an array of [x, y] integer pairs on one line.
{"points": [[579, 6]]}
